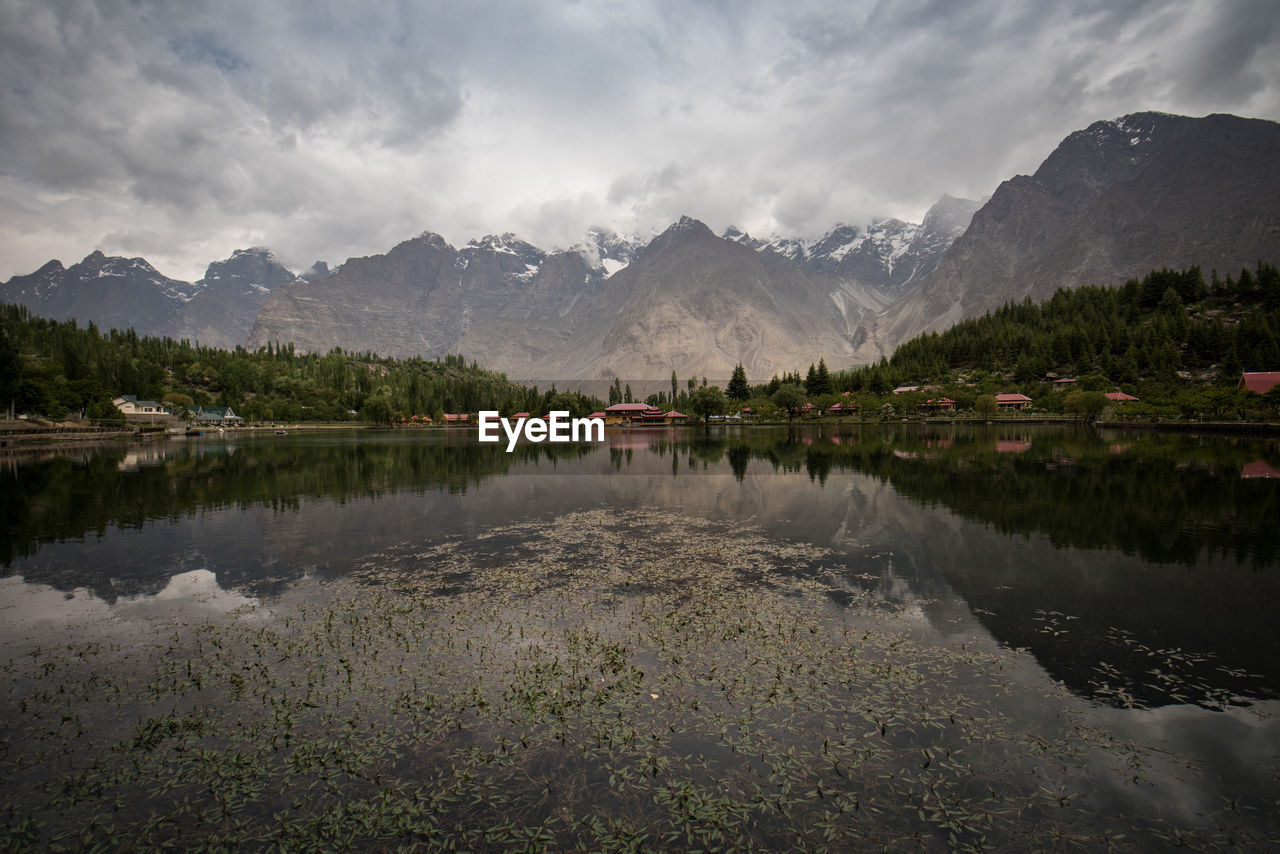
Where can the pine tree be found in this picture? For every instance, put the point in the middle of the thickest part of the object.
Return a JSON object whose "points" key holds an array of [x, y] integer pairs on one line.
{"points": [[822, 384], [811, 380], [738, 387]]}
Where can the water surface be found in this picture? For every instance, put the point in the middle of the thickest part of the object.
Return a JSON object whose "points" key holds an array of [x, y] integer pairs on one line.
{"points": [[1124, 582]]}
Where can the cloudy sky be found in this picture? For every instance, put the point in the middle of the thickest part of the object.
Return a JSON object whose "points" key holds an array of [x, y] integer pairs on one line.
{"points": [[323, 129]]}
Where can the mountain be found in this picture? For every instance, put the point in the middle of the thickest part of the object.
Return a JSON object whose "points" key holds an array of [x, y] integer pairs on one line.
{"points": [[228, 299], [942, 226], [318, 270], [122, 293], [866, 254], [689, 301], [886, 253], [698, 304], [609, 251], [113, 292], [499, 300], [1112, 202]]}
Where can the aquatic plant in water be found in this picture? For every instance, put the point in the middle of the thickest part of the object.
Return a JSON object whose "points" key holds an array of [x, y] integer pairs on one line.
{"points": [[632, 681]]}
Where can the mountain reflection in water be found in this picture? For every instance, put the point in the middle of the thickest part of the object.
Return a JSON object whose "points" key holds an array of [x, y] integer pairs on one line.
{"points": [[1139, 569]]}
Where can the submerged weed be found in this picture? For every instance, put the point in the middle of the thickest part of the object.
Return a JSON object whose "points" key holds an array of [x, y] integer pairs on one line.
{"points": [[619, 683]]}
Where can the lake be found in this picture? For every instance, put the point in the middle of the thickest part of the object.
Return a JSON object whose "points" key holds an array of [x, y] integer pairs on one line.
{"points": [[738, 638]]}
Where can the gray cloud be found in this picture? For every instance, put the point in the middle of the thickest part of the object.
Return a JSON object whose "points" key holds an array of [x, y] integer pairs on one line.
{"points": [[183, 131], [1235, 58]]}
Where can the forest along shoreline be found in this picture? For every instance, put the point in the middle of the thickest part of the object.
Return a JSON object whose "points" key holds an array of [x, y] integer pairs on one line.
{"points": [[19, 437]]}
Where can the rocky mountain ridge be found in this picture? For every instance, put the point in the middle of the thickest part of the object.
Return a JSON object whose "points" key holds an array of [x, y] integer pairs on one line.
{"points": [[613, 306], [1112, 201], [510, 304], [230, 295], [113, 292]]}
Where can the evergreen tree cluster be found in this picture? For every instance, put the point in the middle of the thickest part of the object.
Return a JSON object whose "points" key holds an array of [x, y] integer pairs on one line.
{"points": [[55, 368], [1157, 330]]}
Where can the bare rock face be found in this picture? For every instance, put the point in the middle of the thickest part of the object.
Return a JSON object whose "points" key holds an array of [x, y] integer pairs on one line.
{"points": [[689, 301], [943, 224], [499, 300], [1114, 201], [699, 304], [229, 297], [399, 304]]}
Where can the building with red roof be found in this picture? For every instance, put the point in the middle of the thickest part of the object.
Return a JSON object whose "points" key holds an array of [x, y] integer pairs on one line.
{"points": [[641, 414], [1259, 469], [622, 413], [1012, 400], [1259, 382], [1119, 396]]}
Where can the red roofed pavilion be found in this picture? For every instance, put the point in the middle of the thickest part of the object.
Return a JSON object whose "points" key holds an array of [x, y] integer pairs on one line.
{"points": [[622, 413]]}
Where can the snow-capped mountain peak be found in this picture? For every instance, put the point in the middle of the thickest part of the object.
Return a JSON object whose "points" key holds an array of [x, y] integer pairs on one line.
{"points": [[885, 252], [607, 250]]}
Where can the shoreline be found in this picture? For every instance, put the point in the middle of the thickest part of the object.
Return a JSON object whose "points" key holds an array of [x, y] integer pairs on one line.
{"points": [[35, 439]]}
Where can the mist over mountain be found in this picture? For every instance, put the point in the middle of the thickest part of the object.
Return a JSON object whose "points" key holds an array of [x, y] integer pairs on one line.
{"points": [[1113, 201], [887, 252], [318, 270]]}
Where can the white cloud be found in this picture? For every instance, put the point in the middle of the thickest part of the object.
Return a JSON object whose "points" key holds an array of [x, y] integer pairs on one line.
{"points": [[323, 130]]}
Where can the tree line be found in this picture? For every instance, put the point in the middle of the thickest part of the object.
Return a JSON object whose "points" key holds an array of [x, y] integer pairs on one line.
{"points": [[1155, 334], [1173, 339], [56, 368]]}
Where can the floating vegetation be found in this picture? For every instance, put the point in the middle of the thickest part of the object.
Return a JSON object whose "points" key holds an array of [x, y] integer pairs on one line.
{"points": [[1163, 676], [609, 681]]}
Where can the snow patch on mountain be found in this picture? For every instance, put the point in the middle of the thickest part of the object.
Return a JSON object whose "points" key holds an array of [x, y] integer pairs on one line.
{"points": [[607, 250]]}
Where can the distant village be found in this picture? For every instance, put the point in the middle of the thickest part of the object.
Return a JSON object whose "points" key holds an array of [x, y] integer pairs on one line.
{"points": [[636, 414]]}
